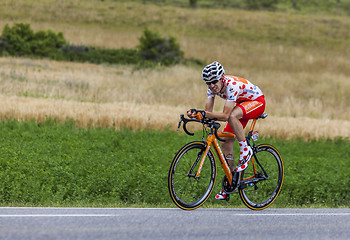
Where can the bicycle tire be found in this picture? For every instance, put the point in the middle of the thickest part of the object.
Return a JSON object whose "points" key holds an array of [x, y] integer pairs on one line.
{"points": [[262, 194], [186, 191]]}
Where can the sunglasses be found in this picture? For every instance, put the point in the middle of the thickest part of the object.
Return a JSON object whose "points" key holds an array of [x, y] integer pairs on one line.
{"points": [[212, 82]]}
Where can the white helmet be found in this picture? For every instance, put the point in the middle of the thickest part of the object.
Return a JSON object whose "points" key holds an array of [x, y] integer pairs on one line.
{"points": [[212, 72]]}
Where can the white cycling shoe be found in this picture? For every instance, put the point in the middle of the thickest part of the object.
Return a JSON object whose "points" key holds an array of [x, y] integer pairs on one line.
{"points": [[244, 161], [221, 195]]}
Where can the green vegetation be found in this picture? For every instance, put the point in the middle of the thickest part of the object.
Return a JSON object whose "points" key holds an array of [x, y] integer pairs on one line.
{"points": [[20, 40], [154, 47], [49, 163]]}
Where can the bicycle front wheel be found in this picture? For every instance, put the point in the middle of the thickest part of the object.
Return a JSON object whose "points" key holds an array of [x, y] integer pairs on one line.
{"points": [[265, 183], [187, 191]]}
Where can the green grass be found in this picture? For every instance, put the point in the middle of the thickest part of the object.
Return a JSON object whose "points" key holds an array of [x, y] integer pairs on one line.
{"points": [[53, 164]]}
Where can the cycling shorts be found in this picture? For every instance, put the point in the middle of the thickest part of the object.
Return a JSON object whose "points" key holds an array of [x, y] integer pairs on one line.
{"points": [[251, 110]]}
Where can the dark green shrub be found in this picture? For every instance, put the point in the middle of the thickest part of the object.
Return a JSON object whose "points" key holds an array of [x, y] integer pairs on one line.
{"points": [[3, 46], [17, 39], [114, 56], [98, 55], [155, 48], [47, 43], [75, 53], [20, 40], [193, 3]]}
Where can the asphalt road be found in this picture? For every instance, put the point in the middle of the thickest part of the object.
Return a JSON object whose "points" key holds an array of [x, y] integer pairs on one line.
{"points": [[142, 223]]}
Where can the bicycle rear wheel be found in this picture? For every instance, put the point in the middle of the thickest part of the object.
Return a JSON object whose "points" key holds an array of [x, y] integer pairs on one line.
{"points": [[186, 191], [262, 188]]}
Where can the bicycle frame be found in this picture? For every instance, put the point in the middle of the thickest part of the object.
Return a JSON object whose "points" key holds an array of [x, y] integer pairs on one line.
{"points": [[212, 141]]}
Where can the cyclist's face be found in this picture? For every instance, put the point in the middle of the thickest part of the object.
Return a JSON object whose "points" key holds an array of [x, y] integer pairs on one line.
{"points": [[215, 87]]}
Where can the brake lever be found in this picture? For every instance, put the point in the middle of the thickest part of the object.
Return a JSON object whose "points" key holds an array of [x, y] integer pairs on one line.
{"points": [[181, 119], [216, 126]]}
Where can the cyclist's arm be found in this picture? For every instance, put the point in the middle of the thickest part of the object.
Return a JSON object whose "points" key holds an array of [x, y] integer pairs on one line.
{"points": [[225, 114], [209, 105]]}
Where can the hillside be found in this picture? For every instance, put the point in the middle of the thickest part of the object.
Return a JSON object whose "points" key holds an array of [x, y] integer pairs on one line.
{"points": [[299, 60]]}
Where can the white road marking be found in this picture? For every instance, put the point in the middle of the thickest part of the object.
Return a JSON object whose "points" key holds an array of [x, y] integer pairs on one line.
{"points": [[117, 212], [294, 214], [58, 215]]}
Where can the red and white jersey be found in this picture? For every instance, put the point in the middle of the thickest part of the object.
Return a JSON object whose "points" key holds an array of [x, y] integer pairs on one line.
{"points": [[238, 90]]}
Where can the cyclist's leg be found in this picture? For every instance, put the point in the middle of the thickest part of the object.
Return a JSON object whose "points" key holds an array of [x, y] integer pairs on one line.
{"points": [[250, 109], [238, 122], [234, 122], [227, 147]]}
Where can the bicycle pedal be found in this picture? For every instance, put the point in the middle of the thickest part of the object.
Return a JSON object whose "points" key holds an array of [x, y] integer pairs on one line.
{"points": [[227, 197]]}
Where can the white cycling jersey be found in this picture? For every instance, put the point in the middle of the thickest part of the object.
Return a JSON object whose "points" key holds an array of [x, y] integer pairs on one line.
{"points": [[238, 90]]}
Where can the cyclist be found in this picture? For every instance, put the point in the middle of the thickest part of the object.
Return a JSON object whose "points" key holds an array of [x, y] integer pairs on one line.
{"points": [[244, 101]]}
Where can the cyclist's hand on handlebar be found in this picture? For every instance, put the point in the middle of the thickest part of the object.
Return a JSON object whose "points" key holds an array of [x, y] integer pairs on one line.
{"points": [[190, 113], [197, 114], [200, 115]]}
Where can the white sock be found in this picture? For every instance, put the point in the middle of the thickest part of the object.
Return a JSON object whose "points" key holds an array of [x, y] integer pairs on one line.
{"points": [[244, 148]]}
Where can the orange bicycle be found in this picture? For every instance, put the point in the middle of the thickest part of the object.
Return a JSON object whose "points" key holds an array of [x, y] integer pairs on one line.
{"points": [[192, 172]]}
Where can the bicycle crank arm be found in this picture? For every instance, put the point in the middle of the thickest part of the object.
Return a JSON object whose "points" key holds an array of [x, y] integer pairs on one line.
{"points": [[243, 184]]}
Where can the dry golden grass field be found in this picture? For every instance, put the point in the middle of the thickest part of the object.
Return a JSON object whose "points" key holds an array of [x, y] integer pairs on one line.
{"points": [[304, 72]]}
